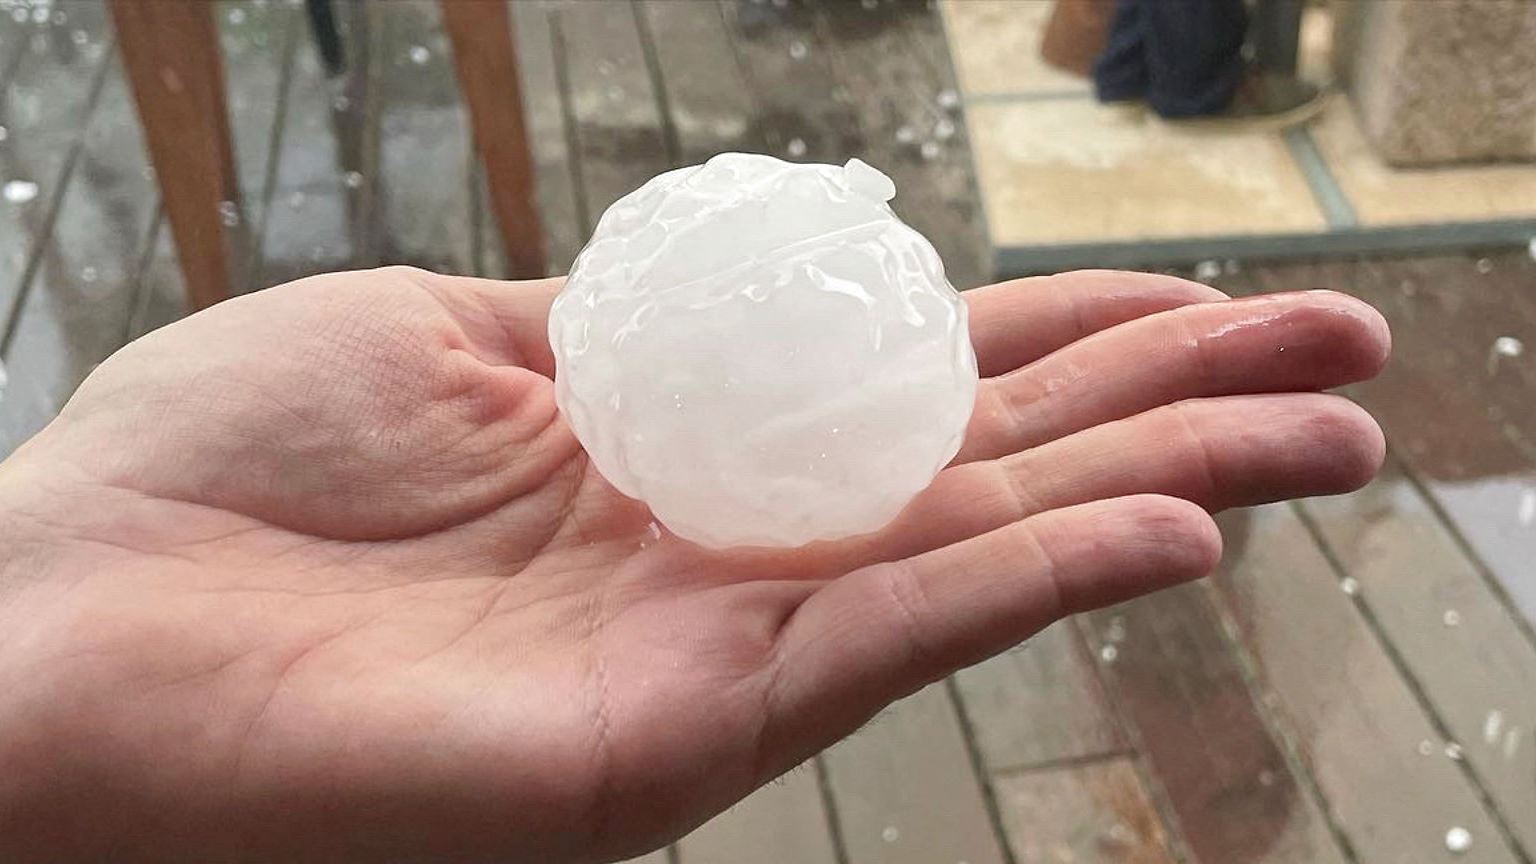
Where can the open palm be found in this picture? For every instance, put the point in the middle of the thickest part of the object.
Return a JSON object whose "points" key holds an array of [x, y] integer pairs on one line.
{"points": [[321, 574]]}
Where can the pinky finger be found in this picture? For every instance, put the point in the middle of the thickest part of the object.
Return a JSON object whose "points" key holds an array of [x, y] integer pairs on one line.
{"points": [[882, 632]]}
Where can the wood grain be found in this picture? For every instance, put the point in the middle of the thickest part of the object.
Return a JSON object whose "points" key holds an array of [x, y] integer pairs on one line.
{"points": [[1094, 811], [171, 54], [1181, 688], [481, 33]]}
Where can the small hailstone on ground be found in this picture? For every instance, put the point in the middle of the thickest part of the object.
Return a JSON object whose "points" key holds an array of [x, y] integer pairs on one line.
{"points": [[1458, 839], [797, 50], [796, 147], [1349, 585], [420, 55], [1453, 751], [1205, 271], [906, 134], [930, 150], [1508, 346], [763, 352], [1451, 618], [1530, 248], [1484, 266], [948, 98], [20, 191], [944, 129]]}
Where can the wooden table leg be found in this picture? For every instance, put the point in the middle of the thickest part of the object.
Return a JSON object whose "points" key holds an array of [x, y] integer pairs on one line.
{"points": [[481, 32], [171, 53]]}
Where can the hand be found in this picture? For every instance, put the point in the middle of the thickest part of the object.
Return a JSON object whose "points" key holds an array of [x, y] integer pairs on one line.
{"points": [[320, 574]]}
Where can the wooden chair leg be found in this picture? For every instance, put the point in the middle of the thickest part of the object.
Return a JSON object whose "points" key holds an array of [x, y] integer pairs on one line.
{"points": [[481, 32], [171, 53]]}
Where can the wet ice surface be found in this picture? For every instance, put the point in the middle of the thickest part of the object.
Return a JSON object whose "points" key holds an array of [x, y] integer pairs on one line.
{"points": [[763, 353]]}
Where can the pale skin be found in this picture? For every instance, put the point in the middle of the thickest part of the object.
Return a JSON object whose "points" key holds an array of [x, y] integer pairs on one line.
{"points": [[321, 575]]}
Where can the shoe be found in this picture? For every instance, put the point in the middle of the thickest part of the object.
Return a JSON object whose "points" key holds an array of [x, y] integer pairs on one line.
{"points": [[1265, 100]]}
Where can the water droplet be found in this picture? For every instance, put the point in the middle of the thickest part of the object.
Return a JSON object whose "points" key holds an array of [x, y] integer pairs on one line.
{"points": [[59, 19], [1349, 585], [341, 102], [19, 191], [944, 129], [237, 16], [1451, 618], [1426, 747], [19, 16], [420, 55], [796, 147], [352, 179], [1492, 725], [797, 50], [1484, 266], [79, 37], [890, 834], [229, 213], [88, 274], [1205, 271], [929, 150], [1453, 751], [949, 99], [1109, 653], [1458, 840], [296, 200], [1508, 346], [40, 15], [906, 134]]}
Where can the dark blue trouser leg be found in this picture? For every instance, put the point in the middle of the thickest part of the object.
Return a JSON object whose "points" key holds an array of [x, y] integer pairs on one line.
{"points": [[1183, 56]]}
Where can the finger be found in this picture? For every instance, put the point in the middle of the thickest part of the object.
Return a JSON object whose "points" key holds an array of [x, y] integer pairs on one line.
{"points": [[1020, 321], [1234, 451], [881, 632], [509, 319], [1279, 343]]}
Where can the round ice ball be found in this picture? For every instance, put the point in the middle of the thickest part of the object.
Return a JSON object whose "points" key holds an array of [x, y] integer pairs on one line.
{"points": [[763, 352]]}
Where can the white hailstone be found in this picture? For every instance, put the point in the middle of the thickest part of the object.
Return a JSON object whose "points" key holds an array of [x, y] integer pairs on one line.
{"points": [[1458, 840], [20, 191], [763, 352], [1508, 346]]}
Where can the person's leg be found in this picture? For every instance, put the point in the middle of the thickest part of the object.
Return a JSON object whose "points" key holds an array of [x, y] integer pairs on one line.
{"points": [[1120, 73], [1193, 51]]}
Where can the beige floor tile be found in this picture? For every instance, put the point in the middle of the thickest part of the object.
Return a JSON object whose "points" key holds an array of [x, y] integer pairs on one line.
{"points": [[996, 47], [1389, 196], [1069, 170]]}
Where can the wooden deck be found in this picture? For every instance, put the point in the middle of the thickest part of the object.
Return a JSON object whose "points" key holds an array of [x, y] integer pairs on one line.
{"points": [[1358, 680]]}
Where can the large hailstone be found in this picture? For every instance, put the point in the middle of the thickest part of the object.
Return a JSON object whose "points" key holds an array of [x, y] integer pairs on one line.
{"points": [[762, 352]]}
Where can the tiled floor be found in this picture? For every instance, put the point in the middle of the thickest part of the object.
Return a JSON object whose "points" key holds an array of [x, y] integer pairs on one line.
{"points": [[1056, 168]]}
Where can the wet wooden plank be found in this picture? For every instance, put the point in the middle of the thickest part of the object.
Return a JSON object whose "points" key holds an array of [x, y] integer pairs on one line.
{"points": [[425, 155], [904, 791], [1095, 811], [709, 103], [258, 41], [76, 311], [44, 107], [1039, 703], [783, 821], [313, 221], [893, 62], [1174, 675], [803, 110], [1353, 720], [612, 100], [565, 226], [1462, 646]]}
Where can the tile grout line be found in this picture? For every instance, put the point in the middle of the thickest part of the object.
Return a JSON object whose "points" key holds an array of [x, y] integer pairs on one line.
{"points": [[1415, 686], [1326, 191]]}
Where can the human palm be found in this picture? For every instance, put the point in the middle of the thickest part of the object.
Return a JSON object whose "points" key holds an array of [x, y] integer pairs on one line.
{"points": [[321, 574]]}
